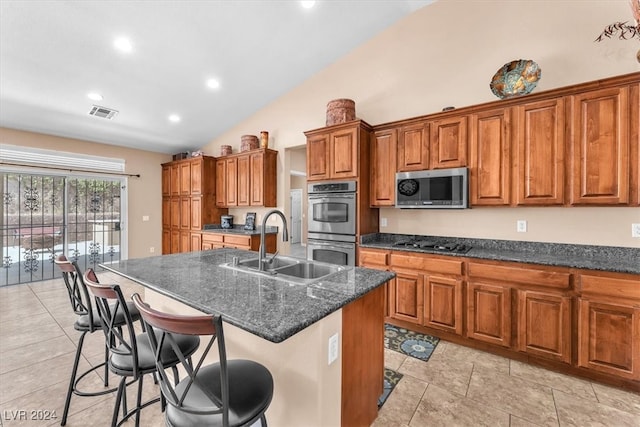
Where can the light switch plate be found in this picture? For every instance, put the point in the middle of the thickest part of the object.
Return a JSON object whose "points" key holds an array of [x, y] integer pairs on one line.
{"points": [[635, 230], [521, 226], [333, 348]]}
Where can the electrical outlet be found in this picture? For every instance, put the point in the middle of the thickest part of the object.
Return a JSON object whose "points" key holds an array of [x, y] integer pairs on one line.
{"points": [[383, 222], [333, 348], [635, 230], [152, 249], [521, 226], [145, 217]]}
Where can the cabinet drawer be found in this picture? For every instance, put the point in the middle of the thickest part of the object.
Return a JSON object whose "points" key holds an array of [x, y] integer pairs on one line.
{"points": [[426, 263], [610, 286], [212, 237], [520, 274], [373, 258], [237, 240]]}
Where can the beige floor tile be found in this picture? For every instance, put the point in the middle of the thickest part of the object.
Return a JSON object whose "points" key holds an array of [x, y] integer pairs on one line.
{"points": [[480, 359], [530, 401], [402, 403], [557, 381], [617, 398], [519, 422], [393, 359], [21, 357], [28, 330], [18, 305], [441, 347], [439, 407], [574, 411], [450, 374]]}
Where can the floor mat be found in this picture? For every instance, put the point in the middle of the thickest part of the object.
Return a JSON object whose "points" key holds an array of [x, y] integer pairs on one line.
{"points": [[414, 344], [391, 379]]}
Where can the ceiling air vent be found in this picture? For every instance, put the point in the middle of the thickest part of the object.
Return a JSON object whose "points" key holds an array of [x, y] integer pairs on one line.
{"points": [[103, 112]]}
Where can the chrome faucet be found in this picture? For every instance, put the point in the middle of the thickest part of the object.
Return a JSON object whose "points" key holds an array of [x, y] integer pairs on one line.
{"points": [[263, 248]]}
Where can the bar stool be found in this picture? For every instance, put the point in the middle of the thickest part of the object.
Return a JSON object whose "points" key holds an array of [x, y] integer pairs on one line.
{"points": [[131, 355], [226, 393], [88, 321]]}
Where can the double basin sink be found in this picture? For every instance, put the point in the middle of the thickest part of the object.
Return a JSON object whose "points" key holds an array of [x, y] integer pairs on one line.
{"points": [[291, 269]]}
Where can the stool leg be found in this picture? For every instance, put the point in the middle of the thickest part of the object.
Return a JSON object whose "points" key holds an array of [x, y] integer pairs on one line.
{"points": [[74, 373], [106, 365], [139, 400], [119, 397]]}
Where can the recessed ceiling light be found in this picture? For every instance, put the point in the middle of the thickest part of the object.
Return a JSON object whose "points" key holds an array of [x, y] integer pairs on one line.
{"points": [[123, 44], [308, 4], [94, 96], [174, 118], [213, 83]]}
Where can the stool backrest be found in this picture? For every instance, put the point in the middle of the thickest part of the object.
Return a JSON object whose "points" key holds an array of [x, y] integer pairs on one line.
{"points": [[76, 288], [116, 320], [160, 328]]}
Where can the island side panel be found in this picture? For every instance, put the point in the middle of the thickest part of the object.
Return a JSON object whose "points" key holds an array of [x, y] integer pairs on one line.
{"points": [[362, 358], [306, 387]]}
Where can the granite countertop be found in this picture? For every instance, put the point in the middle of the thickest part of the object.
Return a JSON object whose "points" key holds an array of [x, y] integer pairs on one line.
{"points": [[269, 308], [237, 229], [604, 258]]}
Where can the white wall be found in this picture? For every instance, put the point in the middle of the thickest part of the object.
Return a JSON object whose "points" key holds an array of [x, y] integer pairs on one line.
{"points": [[445, 55]]}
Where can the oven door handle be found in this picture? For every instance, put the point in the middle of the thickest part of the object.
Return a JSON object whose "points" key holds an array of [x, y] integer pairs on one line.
{"points": [[333, 196], [337, 245]]}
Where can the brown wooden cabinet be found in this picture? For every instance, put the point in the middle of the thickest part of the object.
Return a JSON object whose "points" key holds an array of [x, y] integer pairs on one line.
{"points": [[383, 168], [338, 152], [609, 324], [413, 147], [191, 187], [448, 142], [377, 260], [490, 136], [211, 240], [443, 303], [538, 143], [489, 313], [599, 143], [247, 179], [407, 296]]}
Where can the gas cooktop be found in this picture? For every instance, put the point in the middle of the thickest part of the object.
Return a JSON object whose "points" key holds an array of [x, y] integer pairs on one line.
{"points": [[434, 246]]}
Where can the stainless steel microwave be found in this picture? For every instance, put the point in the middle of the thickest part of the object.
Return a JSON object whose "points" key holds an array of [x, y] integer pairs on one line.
{"points": [[433, 189]]}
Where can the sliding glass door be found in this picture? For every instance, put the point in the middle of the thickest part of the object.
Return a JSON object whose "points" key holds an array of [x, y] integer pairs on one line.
{"points": [[46, 215]]}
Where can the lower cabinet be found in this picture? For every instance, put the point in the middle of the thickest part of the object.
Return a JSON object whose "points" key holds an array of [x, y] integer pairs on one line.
{"points": [[443, 303], [236, 241], [489, 313], [609, 325], [407, 297], [377, 260]]}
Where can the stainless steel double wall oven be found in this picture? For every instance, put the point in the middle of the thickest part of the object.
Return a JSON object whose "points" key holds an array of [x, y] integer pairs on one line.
{"points": [[332, 222]]}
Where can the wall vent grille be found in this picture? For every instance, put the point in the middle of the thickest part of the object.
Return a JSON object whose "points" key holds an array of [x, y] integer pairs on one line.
{"points": [[103, 112]]}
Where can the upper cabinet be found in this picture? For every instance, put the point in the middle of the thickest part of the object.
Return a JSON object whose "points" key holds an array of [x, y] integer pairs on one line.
{"points": [[599, 140], [336, 152], [413, 147], [448, 142], [383, 168], [247, 179]]}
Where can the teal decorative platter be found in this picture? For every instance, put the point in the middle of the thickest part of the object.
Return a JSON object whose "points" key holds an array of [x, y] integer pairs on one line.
{"points": [[515, 78]]}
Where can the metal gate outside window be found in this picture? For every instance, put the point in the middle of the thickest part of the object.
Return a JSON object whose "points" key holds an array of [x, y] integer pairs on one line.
{"points": [[44, 216]]}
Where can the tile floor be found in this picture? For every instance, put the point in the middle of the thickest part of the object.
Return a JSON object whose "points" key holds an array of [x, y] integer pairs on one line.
{"points": [[456, 387]]}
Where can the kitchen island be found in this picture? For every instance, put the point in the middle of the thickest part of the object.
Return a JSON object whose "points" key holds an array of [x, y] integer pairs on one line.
{"points": [[285, 326]]}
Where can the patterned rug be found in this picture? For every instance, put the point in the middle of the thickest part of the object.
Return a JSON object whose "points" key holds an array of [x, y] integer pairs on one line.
{"points": [[391, 379], [411, 343]]}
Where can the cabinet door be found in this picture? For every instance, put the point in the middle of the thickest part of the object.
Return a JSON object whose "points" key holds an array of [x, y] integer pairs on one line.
{"points": [[448, 143], [185, 178], [175, 179], [383, 168], [196, 213], [600, 147], [231, 187], [344, 154], [175, 212], [257, 179], [185, 213], [413, 148], [407, 297], [544, 325], [244, 180], [221, 184], [207, 246], [166, 212], [166, 241], [185, 241], [166, 181], [608, 337], [196, 242], [196, 176], [443, 304], [489, 313], [539, 153], [378, 261], [490, 151], [318, 157], [175, 241]]}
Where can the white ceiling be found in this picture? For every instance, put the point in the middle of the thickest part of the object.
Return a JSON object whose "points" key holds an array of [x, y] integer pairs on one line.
{"points": [[52, 53]]}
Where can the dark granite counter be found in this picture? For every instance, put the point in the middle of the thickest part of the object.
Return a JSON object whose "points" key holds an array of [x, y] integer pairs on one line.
{"points": [[271, 309], [604, 258], [237, 229]]}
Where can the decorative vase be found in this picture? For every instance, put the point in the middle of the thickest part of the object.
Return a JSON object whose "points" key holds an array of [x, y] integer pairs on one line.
{"points": [[264, 139]]}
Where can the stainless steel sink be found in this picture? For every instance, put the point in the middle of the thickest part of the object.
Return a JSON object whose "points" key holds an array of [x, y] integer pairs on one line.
{"points": [[291, 269]]}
